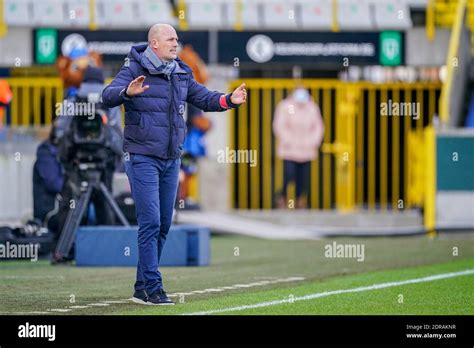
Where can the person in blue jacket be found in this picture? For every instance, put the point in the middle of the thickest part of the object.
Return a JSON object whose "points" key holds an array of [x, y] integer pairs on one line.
{"points": [[153, 141], [48, 179]]}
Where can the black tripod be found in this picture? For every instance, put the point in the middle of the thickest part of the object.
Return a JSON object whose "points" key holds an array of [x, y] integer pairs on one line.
{"points": [[91, 181]]}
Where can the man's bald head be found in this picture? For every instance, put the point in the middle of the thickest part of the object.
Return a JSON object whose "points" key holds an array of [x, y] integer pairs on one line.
{"points": [[156, 29], [162, 38]]}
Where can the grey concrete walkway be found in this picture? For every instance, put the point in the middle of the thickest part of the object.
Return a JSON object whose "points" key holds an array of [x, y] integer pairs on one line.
{"points": [[297, 224]]}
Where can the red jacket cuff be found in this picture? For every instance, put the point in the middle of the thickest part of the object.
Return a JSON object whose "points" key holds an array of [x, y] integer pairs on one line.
{"points": [[223, 102]]}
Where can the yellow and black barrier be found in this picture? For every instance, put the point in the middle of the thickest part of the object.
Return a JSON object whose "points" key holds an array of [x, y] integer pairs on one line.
{"points": [[35, 100], [372, 154], [366, 159]]}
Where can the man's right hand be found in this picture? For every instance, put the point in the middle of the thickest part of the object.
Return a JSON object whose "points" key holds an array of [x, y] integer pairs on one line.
{"points": [[136, 86]]}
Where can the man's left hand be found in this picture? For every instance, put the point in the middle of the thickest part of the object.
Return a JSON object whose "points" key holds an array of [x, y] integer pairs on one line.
{"points": [[239, 96]]}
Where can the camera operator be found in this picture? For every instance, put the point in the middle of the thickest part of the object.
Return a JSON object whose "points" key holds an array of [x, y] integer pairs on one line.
{"points": [[48, 181]]}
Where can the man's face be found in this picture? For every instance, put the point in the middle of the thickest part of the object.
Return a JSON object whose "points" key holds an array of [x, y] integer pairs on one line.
{"points": [[165, 44]]}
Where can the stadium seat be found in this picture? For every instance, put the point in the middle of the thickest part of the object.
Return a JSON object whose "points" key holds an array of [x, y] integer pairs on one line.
{"points": [[116, 14], [49, 13], [250, 14], [205, 14], [78, 13], [315, 14], [392, 14], [279, 14], [16, 12], [155, 11], [354, 15]]}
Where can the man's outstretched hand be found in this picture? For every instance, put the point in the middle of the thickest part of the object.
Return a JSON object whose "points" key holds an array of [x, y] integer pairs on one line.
{"points": [[239, 96], [136, 86]]}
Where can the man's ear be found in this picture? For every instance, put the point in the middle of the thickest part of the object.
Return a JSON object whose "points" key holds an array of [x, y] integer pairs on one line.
{"points": [[154, 43]]}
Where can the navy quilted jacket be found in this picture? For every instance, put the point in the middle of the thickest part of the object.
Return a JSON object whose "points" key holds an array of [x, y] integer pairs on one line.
{"points": [[154, 123]]}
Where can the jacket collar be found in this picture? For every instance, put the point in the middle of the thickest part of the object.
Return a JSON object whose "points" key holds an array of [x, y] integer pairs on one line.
{"points": [[152, 57], [137, 52]]}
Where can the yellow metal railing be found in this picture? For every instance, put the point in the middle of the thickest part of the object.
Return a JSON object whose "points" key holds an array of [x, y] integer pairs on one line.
{"points": [[452, 61], [370, 156], [422, 173], [35, 100], [343, 147], [444, 13], [367, 160], [429, 203]]}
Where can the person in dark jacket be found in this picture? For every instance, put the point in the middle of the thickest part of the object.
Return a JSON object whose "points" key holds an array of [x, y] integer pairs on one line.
{"points": [[48, 179], [154, 134]]}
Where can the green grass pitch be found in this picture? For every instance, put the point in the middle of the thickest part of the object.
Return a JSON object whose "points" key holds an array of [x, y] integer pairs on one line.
{"points": [[260, 277]]}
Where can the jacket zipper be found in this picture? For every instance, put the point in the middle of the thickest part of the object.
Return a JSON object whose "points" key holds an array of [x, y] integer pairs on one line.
{"points": [[169, 115]]}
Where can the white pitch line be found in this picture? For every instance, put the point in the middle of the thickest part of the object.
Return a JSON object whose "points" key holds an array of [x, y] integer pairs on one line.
{"points": [[28, 277], [218, 289], [23, 313], [337, 292], [115, 302], [238, 286]]}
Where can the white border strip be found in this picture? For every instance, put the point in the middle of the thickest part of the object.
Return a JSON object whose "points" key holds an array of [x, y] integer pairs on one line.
{"points": [[128, 300], [239, 286], [337, 292]]}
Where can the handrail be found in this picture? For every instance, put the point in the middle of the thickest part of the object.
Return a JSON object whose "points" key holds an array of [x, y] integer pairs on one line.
{"points": [[452, 61]]}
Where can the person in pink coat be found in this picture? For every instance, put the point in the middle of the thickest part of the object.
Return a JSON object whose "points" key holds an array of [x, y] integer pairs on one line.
{"points": [[299, 129]]}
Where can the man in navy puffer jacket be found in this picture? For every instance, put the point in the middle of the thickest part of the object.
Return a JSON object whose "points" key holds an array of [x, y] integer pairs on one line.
{"points": [[154, 134]]}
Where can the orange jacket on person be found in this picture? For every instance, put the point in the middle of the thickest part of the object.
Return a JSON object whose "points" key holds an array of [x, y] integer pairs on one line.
{"points": [[299, 129], [5, 98]]}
